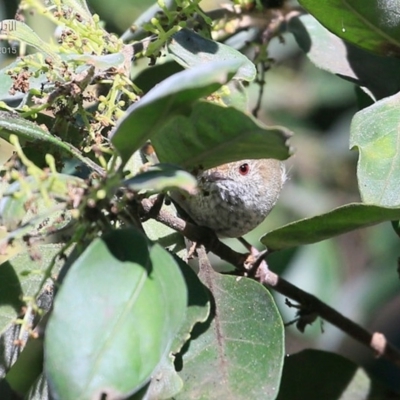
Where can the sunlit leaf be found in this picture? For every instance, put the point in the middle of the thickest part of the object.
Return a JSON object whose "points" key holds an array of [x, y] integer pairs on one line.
{"points": [[213, 135], [375, 133], [173, 96], [112, 343], [190, 50], [238, 353], [336, 222], [375, 28], [378, 75]]}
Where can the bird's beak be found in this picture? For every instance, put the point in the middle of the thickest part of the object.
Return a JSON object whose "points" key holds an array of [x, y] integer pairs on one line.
{"points": [[213, 176]]}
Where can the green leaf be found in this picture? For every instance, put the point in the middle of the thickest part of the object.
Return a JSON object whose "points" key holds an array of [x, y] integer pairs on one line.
{"points": [[156, 231], [29, 365], [376, 74], [234, 94], [336, 222], [113, 343], [375, 132], [375, 28], [152, 76], [190, 50], [238, 353], [173, 96], [166, 382], [315, 375], [165, 236], [162, 177], [11, 123], [198, 305], [24, 129], [17, 30], [213, 135]]}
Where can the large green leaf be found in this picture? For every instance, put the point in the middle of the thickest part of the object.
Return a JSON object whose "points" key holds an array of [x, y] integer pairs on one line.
{"points": [[336, 222], [171, 97], [212, 135], [375, 27], [378, 75], [238, 353], [375, 132], [190, 49], [112, 343]]}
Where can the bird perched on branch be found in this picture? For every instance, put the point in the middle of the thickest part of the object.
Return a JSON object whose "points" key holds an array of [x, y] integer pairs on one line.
{"points": [[234, 198]]}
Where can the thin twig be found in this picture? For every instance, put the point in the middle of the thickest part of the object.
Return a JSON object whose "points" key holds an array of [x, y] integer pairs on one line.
{"points": [[375, 341]]}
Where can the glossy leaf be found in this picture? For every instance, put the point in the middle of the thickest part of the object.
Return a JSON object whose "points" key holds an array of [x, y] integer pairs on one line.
{"points": [[375, 133], [336, 222], [162, 177], [190, 50], [315, 374], [113, 343], [375, 28], [378, 75], [173, 96], [213, 135], [238, 353]]}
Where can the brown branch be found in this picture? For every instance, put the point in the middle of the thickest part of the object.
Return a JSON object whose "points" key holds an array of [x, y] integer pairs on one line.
{"points": [[309, 304]]}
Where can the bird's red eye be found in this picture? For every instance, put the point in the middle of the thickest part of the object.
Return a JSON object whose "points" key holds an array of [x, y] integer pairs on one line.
{"points": [[244, 169]]}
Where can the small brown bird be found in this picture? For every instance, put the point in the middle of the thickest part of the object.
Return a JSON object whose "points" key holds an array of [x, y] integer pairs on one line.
{"points": [[236, 197]]}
